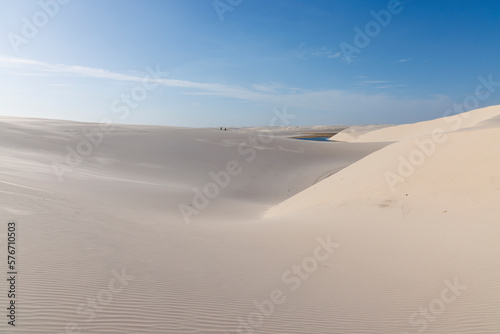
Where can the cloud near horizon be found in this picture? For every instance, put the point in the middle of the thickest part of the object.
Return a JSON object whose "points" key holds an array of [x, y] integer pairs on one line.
{"points": [[367, 106]]}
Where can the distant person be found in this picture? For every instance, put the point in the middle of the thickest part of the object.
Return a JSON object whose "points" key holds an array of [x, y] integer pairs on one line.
{"points": [[225, 129]]}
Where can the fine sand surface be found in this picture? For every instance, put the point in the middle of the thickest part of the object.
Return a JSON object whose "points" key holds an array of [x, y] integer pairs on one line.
{"points": [[117, 209], [361, 236]]}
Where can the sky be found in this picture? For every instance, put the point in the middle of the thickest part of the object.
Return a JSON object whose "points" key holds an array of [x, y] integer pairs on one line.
{"points": [[205, 63]]}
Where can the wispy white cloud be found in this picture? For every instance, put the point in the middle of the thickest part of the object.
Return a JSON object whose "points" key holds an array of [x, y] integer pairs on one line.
{"points": [[325, 52], [276, 89], [370, 82], [404, 60], [332, 100], [302, 51], [378, 84], [390, 86], [32, 67]]}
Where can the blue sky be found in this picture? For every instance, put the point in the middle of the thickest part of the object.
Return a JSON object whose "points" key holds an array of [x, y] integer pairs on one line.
{"points": [[85, 55]]}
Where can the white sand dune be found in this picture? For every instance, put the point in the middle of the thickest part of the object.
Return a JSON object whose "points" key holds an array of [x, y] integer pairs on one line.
{"points": [[412, 215], [283, 248], [459, 165], [118, 209], [451, 123]]}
